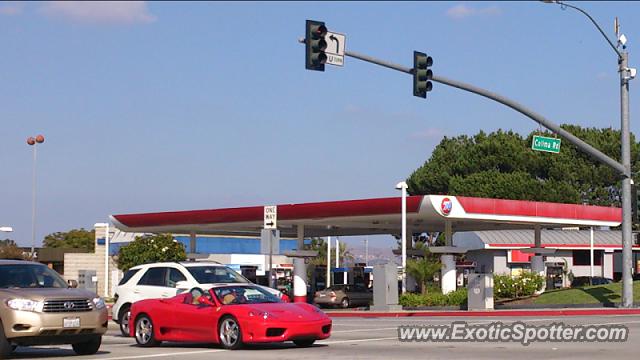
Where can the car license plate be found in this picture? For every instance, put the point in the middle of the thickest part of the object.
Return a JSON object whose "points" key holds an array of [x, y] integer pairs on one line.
{"points": [[71, 322]]}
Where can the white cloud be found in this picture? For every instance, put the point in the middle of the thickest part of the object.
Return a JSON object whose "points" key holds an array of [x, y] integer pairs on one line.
{"points": [[11, 8], [100, 12], [462, 11]]}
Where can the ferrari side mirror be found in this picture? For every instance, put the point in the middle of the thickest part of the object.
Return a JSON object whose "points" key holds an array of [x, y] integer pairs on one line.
{"points": [[205, 301]]}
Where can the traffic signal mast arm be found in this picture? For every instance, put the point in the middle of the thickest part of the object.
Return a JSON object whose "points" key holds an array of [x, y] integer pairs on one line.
{"points": [[583, 146]]}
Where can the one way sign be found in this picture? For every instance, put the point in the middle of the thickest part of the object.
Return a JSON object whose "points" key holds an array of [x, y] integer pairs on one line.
{"points": [[271, 217], [335, 48]]}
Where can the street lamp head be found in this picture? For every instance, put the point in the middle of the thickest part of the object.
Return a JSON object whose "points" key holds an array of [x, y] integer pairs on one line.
{"points": [[401, 185], [33, 140]]}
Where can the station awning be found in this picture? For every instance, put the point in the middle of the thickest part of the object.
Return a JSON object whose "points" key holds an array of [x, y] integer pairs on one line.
{"points": [[374, 216]]}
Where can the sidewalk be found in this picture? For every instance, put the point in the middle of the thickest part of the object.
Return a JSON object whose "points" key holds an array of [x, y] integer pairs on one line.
{"points": [[486, 313]]}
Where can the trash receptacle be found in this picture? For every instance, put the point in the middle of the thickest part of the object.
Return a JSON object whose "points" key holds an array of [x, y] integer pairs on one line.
{"points": [[480, 292]]}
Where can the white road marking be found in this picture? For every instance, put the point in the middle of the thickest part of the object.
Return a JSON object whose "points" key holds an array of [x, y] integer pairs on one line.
{"points": [[613, 323], [362, 330], [357, 340], [395, 328]]}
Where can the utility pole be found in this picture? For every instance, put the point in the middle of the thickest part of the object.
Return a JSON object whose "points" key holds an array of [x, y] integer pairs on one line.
{"points": [[626, 74]]}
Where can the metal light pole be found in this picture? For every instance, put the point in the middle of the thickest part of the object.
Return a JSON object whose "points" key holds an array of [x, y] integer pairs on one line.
{"points": [[337, 255], [328, 282], [366, 251], [106, 256], [34, 142], [626, 74], [403, 187]]}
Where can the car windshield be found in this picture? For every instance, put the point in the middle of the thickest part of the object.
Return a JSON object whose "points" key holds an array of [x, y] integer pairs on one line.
{"points": [[235, 295], [29, 276], [216, 275]]}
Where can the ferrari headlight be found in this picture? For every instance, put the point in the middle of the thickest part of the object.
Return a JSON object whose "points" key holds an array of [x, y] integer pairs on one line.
{"points": [[25, 305], [98, 303], [263, 314]]}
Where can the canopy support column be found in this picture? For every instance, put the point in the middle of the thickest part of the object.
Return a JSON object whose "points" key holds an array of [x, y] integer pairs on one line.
{"points": [[537, 260], [300, 271], [448, 272]]}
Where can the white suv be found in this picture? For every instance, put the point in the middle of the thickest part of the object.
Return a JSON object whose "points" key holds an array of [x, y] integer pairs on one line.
{"points": [[164, 280]]}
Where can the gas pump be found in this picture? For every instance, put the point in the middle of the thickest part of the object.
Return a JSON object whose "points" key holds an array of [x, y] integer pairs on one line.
{"points": [[318, 279], [284, 279]]}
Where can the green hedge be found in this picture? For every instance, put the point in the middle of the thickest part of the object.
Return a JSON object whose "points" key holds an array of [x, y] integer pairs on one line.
{"points": [[455, 298], [509, 287]]}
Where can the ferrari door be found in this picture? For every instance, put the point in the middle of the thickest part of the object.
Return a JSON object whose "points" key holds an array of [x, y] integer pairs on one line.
{"points": [[194, 322]]}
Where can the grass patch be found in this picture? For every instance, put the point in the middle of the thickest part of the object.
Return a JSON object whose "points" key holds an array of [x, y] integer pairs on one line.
{"points": [[611, 293]]}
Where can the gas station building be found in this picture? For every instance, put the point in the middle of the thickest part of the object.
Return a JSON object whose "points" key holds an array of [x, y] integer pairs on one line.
{"points": [[474, 221]]}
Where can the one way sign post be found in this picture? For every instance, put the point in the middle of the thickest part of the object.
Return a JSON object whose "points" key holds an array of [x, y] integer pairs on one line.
{"points": [[270, 239], [271, 217]]}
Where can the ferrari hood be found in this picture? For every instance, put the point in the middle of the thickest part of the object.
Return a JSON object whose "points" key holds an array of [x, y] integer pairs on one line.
{"points": [[289, 311]]}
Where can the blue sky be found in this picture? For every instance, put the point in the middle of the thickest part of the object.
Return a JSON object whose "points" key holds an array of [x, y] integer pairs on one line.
{"points": [[172, 106]]}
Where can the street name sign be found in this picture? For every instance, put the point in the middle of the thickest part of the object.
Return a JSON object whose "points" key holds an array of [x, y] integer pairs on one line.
{"points": [[271, 217], [543, 143], [335, 48]]}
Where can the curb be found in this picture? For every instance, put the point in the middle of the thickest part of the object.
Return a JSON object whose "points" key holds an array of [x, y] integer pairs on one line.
{"points": [[488, 313]]}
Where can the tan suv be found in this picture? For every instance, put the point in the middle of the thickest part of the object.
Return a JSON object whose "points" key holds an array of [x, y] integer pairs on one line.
{"points": [[37, 307]]}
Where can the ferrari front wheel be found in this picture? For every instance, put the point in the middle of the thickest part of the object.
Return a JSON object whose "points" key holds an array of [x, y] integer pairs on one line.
{"points": [[144, 332], [229, 333]]}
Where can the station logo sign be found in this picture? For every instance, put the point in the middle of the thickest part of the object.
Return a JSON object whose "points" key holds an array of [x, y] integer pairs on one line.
{"points": [[446, 205]]}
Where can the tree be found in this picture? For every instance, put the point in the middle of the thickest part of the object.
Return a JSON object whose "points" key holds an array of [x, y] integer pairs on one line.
{"points": [[149, 249], [319, 245], [76, 238], [502, 165], [9, 250], [423, 269]]}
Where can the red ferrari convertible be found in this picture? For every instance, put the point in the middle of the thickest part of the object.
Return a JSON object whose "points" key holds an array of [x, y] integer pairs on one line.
{"points": [[231, 315]]}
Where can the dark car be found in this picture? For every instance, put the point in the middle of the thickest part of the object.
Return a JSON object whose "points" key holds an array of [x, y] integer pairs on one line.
{"points": [[588, 281], [344, 296]]}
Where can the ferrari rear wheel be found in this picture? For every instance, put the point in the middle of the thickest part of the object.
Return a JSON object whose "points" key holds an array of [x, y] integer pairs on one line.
{"points": [[144, 332], [229, 333], [304, 342]]}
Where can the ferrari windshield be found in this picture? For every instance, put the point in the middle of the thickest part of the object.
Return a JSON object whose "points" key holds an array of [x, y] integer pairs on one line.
{"points": [[29, 276], [216, 275], [232, 295]]}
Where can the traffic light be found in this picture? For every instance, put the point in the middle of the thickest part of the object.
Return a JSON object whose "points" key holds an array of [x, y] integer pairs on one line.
{"points": [[315, 45], [422, 74]]}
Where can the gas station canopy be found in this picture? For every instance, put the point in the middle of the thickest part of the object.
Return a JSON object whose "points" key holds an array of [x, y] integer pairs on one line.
{"points": [[425, 213]]}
